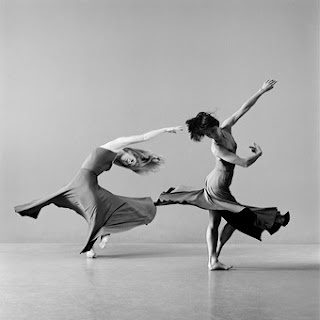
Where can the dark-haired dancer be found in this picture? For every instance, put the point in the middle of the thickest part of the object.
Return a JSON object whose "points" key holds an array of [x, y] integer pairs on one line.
{"points": [[105, 212], [216, 196]]}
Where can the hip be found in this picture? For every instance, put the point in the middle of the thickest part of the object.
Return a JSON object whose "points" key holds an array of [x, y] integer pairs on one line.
{"points": [[219, 178]]}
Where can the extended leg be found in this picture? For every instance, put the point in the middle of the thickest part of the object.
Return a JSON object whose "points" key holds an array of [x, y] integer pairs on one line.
{"points": [[212, 240], [225, 236]]}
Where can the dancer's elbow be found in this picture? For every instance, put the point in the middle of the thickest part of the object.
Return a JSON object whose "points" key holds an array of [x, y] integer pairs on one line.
{"points": [[243, 163]]}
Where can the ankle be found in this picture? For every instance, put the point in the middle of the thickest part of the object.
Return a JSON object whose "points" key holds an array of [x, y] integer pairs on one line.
{"points": [[213, 260]]}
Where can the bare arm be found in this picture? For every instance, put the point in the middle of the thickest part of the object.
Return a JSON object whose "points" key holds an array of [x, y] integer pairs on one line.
{"points": [[224, 154], [267, 85], [122, 142]]}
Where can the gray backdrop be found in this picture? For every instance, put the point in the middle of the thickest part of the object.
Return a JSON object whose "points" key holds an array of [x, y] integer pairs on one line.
{"points": [[75, 74]]}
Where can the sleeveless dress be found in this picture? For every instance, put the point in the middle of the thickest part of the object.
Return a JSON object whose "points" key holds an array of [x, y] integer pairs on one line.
{"points": [[105, 212], [216, 195]]}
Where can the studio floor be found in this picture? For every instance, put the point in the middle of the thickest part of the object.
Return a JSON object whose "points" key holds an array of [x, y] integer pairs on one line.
{"points": [[158, 281]]}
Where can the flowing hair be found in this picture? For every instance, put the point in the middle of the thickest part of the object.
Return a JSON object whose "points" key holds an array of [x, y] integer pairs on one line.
{"points": [[146, 161], [200, 125]]}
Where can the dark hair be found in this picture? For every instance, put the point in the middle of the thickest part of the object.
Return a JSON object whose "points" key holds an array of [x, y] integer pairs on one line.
{"points": [[199, 126], [146, 161]]}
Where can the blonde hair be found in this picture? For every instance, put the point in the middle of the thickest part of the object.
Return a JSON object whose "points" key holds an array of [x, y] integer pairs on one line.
{"points": [[146, 161]]}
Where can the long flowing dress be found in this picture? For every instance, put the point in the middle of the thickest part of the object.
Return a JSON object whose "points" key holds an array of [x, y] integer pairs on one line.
{"points": [[105, 212], [216, 195]]}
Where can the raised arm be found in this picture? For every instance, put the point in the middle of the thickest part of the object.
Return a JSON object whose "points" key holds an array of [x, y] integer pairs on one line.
{"points": [[224, 154], [122, 142], [267, 85]]}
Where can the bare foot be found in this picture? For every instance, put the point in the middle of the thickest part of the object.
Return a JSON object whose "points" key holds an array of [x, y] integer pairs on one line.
{"points": [[91, 254], [104, 241], [218, 266]]}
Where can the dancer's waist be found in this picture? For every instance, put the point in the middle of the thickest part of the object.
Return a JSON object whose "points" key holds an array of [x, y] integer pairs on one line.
{"points": [[224, 168]]}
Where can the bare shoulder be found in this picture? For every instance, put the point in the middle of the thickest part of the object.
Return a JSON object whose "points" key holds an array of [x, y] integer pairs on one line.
{"points": [[226, 127]]}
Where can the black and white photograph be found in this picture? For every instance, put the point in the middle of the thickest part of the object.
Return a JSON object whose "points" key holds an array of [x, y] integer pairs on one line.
{"points": [[159, 159]]}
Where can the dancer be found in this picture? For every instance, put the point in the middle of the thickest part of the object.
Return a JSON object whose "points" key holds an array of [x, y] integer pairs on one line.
{"points": [[105, 212], [216, 196]]}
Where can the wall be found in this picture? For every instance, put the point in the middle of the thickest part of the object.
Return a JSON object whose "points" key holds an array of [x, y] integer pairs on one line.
{"points": [[75, 74]]}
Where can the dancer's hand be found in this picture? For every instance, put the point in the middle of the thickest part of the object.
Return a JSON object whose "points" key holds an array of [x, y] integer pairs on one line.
{"points": [[174, 129], [268, 85], [256, 149]]}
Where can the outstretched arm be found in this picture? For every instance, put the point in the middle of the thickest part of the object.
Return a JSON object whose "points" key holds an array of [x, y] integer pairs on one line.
{"points": [[122, 142], [224, 154], [267, 85]]}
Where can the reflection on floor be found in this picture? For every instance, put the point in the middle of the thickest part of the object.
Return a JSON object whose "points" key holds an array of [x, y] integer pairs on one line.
{"points": [[158, 281]]}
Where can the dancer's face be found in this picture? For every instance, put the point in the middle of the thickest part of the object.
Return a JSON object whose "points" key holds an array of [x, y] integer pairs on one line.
{"points": [[128, 159]]}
